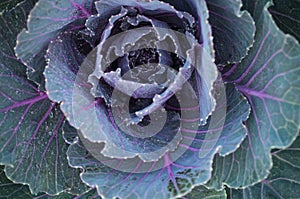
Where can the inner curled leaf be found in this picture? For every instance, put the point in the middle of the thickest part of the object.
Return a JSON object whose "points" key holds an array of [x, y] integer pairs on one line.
{"points": [[141, 75]]}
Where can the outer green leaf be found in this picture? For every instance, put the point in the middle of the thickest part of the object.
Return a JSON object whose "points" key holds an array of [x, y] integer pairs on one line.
{"points": [[91, 194], [31, 141], [37, 150], [10, 190], [11, 24], [47, 19], [31, 144], [6, 5], [205, 193], [254, 7], [270, 78], [283, 181], [233, 30], [286, 14]]}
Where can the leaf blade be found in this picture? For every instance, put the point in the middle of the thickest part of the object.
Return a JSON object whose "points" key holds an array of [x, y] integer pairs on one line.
{"points": [[269, 78]]}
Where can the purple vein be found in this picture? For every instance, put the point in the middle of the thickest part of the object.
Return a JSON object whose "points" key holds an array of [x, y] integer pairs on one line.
{"points": [[81, 8], [263, 67], [55, 134], [126, 177], [57, 152], [229, 72], [7, 97], [254, 59], [168, 164], [143, 177], [250, 136], [272, 188], [153, 181], [17, 127], [25, 102], [35, 134], [250, 92], [283, 15]]}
